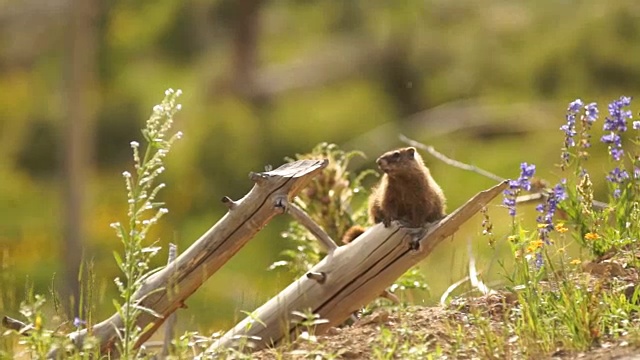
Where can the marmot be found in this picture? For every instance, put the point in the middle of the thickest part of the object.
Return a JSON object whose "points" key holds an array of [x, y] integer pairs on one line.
{"points": [[406, 193]]}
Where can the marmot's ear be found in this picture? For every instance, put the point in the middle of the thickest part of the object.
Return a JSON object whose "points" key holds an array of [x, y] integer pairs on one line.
{"points": [[411, 151]]}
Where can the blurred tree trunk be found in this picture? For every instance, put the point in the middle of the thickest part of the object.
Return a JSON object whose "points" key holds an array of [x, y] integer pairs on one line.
{"points": [[245, 46], [402, 81], [78, 140], [246, 62]]}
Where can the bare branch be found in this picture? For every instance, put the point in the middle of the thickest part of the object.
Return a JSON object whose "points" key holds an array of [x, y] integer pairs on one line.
{"points": [[325, 240], [449, 161], [538, 196], [16, 325]]}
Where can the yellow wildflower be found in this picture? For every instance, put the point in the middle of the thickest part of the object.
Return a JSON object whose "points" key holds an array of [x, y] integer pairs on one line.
{"points": [[561, 228], [535, 245], [591, 236], [576, 262]]}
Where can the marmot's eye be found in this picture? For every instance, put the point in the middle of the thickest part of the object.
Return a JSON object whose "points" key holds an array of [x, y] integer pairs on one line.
{"points": [[396, 155]]}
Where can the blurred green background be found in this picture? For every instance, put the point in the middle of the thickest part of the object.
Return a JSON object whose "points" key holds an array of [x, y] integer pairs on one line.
{"points": [[484, 81]]}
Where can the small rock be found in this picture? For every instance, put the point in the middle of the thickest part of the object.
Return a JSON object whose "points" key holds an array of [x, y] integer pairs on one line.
{"points": [[629, 291], [378, 317], [351, 355], [604, 269]]}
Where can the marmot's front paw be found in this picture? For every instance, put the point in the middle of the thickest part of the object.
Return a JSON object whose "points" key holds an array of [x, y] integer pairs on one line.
{"points": [[386, 222]]}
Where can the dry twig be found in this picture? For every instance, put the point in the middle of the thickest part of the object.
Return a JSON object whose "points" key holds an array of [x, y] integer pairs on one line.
{"points": [[455, 163]]}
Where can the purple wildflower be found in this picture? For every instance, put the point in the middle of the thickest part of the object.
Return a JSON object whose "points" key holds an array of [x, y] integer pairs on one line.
{"points": [[591, 112], [615, 145], [590, 116], [515, 186], [548, 209], [616, 153], [77, 322], [539, 260], [617, 175], [510, 196], [559, 191], [616, 124], [616, 193], [617, 119], [526, 173], [575, 106], [570, 128], [611, 138], [636, 125]]}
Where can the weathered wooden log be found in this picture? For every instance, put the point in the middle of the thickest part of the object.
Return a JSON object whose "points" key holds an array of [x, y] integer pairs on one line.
{"points": [[182, 277], [170, 324], [16, 325], [347, 279]]}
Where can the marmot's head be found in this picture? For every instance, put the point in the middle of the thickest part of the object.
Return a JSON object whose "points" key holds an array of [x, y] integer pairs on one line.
{"points": [[396, 160]]}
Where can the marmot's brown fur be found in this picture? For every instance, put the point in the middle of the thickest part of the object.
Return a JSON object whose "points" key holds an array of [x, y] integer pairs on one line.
{"points": [[352, 233], [406, 193]]}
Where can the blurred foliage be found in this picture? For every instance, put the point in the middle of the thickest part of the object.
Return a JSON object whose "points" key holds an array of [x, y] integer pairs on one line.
{"points": [[485, 82]]}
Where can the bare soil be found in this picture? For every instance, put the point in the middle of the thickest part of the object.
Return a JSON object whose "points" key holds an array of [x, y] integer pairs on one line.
{"points": [[417, 332], [431, 326]]}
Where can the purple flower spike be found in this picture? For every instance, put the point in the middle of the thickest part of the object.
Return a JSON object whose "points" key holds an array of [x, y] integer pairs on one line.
{"points": [[515, 186], [617, 119], [617, 175], [77, 322], [616, 153], [526, 173], [539, 260], [547, 211], [611, 138], [591, 112], [617, 193], [616, 124], [575, 106], [570, 127]]}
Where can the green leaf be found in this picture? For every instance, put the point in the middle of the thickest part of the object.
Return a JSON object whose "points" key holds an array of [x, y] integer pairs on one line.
{"points": [[148, 311], [116, 256], [117, 305]]}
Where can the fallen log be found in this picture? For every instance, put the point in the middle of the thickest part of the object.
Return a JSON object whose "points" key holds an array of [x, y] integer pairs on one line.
{"points": [[183, 276], [346, 279]]}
